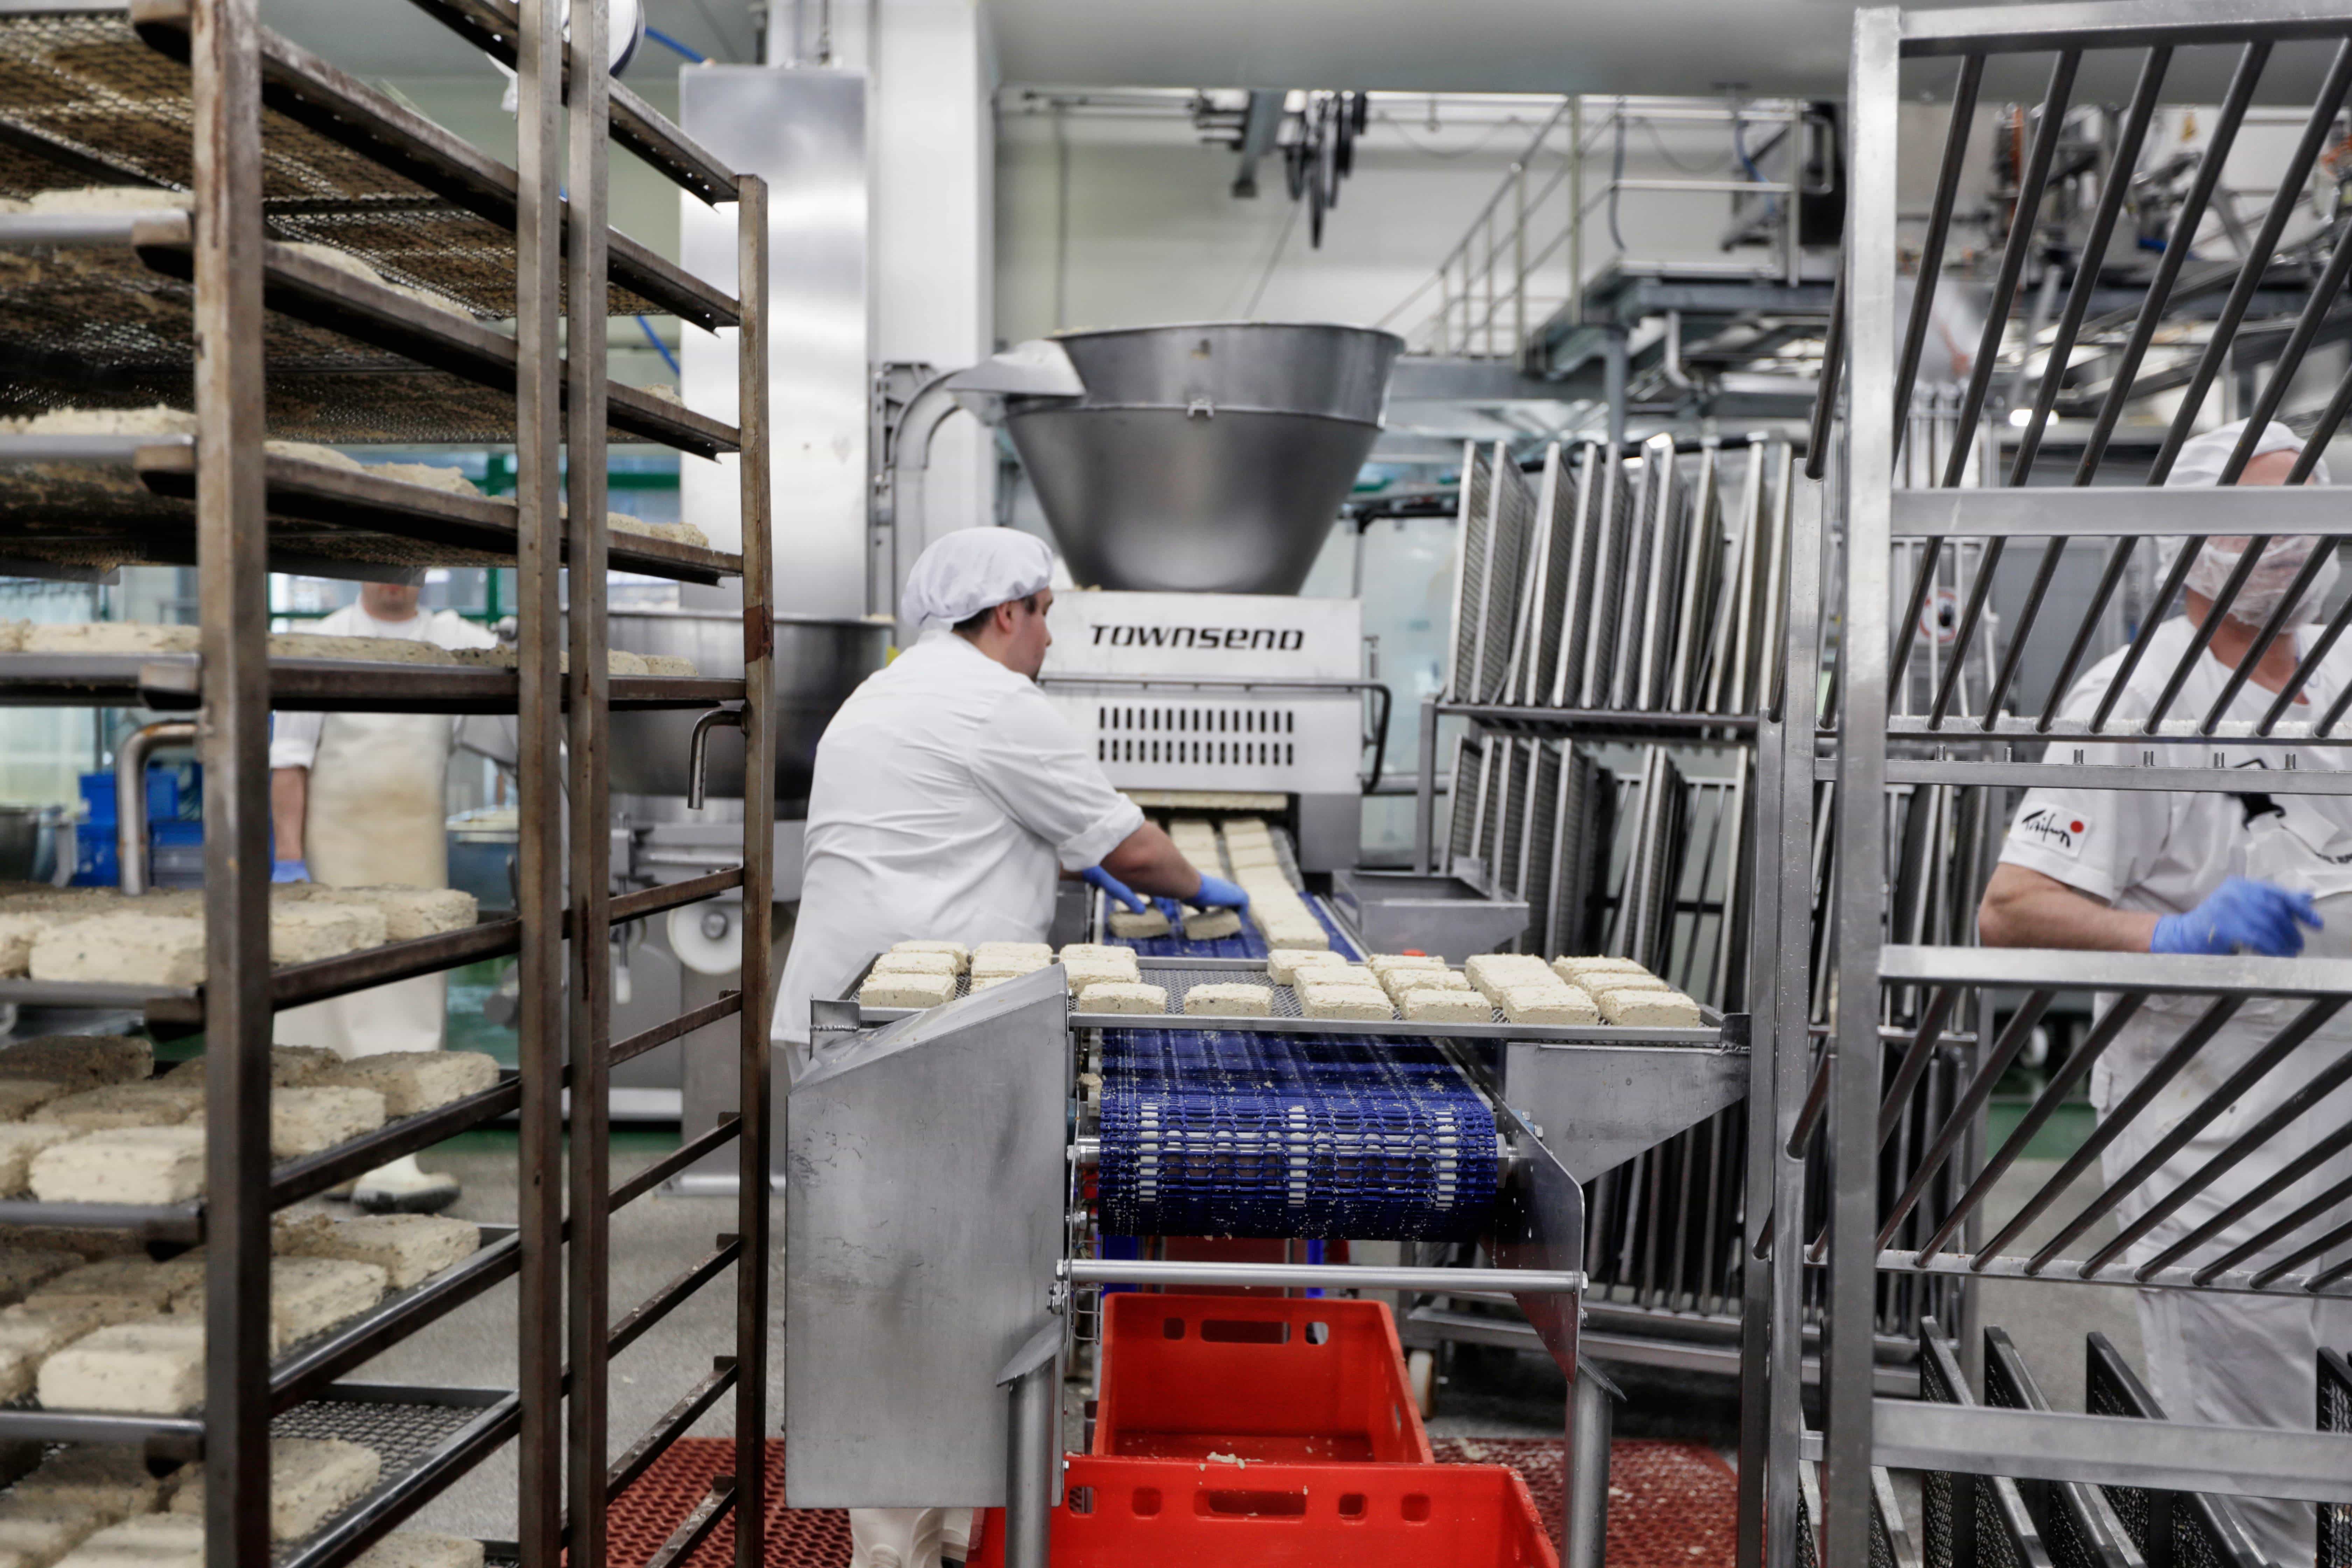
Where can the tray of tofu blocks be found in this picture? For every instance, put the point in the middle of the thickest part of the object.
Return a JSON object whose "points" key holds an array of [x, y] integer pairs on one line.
{"points": [[61, 946], [91, 1135], [102, 1505], [122, 1334], [1495, 996]]}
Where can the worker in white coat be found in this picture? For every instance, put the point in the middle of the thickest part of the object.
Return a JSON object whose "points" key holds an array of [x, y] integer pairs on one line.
{"points": [[949, 799], [2206, 872], [358, 800]]}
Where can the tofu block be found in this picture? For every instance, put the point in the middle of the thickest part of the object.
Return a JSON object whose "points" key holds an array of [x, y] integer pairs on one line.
{"points": [[1339, 973], [1365, 1004], [154, 1366], [1233, 1000], [991, 970], [19, 929], [145, 950], [414, 1081], [1381, 962], [77, 1061], [421, 1549], [158, 1287], [108, 1480], [670, 664], [130, 1165], [87, 1243], [38, 1535], [108, 638], [1553, 1004], [1573, 968], [36, 1328], [311, 1479], [156, 1103], [380, 651], [884, 989], [1488, 971], [1647, 1009], [1600, 979], [1398, 982], [24, 1269], [1464, 1007], [1305, 932], [983, 981], [1037, 954], [1284, 964], [1129, 923], [1104, 949], [408, 912], [1122, 997], [1208, 925], [150, 1541], [306, 932], [897, 962], [309, 1120], [16, 1369], [19, 1141], [409, 1247], [310, 1295], [954, 949]]}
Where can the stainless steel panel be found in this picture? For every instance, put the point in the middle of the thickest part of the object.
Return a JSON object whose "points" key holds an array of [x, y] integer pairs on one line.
{"points": [[1394, 910], [1330, 831], [1598, 1105], [1208, 457], [802, 131], [926, 1167], [819, 662]]}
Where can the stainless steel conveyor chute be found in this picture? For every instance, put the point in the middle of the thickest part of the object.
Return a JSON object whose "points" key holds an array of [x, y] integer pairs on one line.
{"points": [[942, 1216]]}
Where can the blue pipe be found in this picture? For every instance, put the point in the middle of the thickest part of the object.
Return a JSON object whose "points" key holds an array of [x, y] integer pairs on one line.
{"points": [[666, 41], [660, 347]]}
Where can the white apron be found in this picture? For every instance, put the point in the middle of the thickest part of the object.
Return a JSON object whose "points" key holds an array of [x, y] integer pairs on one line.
{"points": [[378, 800], [2240, 1360]]}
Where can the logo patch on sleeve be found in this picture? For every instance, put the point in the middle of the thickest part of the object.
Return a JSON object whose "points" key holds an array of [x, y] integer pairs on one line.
{"points": [[2053, 828]]}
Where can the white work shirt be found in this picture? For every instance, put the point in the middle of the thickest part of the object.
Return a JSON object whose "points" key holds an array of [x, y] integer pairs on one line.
{"points": [[2164, 851], [294, 737], [947, 796]]}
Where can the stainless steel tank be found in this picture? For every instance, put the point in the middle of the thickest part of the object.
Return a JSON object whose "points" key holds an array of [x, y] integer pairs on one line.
{"points": [[819, 661], [1209, 457]]}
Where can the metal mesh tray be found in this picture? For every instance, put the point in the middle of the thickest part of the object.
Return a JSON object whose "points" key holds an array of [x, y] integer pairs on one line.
{"points": [[98, 501], [341, 163], [426, 1438], [100, 312]]}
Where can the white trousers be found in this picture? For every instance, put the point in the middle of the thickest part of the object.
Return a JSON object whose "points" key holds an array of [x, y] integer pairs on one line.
{"points": [[2245, 1360], [908, 1537]]}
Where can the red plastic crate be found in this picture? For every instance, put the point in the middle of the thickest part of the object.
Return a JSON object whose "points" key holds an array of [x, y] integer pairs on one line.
{"points": [[1279, 1379], [1163, 1513]]}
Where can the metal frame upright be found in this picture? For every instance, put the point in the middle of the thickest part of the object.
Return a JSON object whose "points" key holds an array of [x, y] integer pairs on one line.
{"points": [[1871, 747]]}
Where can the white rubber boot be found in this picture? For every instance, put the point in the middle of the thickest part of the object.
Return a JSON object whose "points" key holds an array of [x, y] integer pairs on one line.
{"points": [[402, 1188]]}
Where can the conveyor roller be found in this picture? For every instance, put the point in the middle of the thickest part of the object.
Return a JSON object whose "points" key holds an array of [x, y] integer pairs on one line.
{"points": [[1225, 1132]]}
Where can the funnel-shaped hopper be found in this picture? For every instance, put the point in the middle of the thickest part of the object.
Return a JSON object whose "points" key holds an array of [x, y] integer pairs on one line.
{"points": [[1209, 459]]}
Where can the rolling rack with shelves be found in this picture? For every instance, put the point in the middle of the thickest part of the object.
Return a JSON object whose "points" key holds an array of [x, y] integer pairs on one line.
{"points": [[220, 299], [2174, 1201]]}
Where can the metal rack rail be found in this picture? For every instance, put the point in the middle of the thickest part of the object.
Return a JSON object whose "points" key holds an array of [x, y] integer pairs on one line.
{"points": [[213, 306], [1903, 522]]}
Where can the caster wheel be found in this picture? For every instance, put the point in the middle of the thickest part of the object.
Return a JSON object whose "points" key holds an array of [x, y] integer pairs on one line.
{"points": [[1421, 1371]]}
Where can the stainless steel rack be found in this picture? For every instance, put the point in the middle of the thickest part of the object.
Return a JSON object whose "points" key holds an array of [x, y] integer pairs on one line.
{"points": [[1902, 523], [214, 307]]}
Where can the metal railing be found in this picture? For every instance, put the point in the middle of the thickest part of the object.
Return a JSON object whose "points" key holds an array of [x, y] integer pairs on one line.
{"points": [[1522, 261]]}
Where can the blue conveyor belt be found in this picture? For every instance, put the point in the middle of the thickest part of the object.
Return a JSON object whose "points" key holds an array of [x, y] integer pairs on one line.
{"points": [[1225, 1132]]}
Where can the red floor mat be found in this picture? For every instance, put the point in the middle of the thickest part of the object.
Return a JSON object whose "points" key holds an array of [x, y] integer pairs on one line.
{"points": [[1670, 1505]]}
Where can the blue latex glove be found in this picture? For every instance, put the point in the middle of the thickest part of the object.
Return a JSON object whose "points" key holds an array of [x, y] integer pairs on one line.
{"points": [[1172, 913], [2239, 914], [289, 871], [1216, 893], [1115, 887]]}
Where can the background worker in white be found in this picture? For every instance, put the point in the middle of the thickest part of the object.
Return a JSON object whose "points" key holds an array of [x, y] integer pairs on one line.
{"points": [[2185, 872], [948, 798], [358, 800]]}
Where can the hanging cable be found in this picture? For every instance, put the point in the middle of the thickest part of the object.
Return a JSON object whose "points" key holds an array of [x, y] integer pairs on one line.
{"points": [[660, 347], [666, 41]]}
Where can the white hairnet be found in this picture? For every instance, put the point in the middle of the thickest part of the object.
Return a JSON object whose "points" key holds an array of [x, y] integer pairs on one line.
{"points": [[972, 570], [2202, 461]]}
